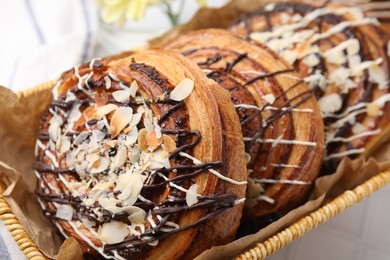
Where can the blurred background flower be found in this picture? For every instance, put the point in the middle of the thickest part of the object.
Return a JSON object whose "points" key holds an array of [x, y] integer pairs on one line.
{"points": [[118, 11]]}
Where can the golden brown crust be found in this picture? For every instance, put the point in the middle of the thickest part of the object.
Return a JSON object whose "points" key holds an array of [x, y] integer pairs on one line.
{"points": [[157, 73], [215, 51], [347, 54]]}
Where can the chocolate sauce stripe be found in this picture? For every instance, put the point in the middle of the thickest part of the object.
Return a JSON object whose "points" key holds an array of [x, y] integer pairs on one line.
{"points": [[214, 203], [110, 247]]}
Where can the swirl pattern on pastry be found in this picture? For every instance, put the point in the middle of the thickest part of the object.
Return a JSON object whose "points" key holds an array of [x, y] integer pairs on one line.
{"points": [[136, 149], [280, 118], [344, 56]]}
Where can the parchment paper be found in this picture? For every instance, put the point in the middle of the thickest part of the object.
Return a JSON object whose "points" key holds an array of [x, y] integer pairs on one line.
{"points": [[19, 118]]}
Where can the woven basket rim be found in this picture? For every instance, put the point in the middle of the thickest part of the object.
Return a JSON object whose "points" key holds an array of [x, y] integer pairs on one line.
{"points": [[261, 250]]}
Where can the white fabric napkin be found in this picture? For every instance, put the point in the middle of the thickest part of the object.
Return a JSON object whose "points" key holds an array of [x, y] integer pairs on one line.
{"points": [[42, 38]]}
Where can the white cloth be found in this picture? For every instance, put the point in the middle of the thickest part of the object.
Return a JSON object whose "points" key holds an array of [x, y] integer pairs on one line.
{"points": [[42, 38]]}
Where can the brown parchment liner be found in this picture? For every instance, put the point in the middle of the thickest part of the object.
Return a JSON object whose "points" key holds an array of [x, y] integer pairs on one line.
{"points": [[19, 118]]}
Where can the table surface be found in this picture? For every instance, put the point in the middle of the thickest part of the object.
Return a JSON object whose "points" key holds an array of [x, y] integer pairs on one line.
{"points": [[360, 232]]}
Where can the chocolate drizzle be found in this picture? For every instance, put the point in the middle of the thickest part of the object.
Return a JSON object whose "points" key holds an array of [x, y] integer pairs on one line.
{"points": [[183, 171], [371, 48], [226, 74]]}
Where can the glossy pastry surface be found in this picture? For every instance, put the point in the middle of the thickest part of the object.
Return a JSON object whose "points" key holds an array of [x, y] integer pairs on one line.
{"points": [[141, 157], [280, 118], [344, 57]]}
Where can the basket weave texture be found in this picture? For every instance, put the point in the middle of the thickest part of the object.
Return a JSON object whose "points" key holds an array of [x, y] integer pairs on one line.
{"points": [[259, 251]]}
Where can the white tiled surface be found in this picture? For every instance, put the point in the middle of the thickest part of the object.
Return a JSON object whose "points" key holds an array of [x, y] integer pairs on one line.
{"points": [[359, 233]]}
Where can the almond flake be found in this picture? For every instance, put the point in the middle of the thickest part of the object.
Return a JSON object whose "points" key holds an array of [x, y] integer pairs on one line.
{"points": [[110, 143], [138, 217], [358, 128], [107, 82], [269, 98], [192, 195], [131, 137], [102, 165], [122, 96], [133, 88], [65, 145], [373, 109], [92, 158], [54, 130], [104, 110], [142, 139], [151, 139], [121, 117], [169, 143], [121, 157], [113, 232], [135, 119], [127, 129], [330, 103], [182, 90], [290, 56], [65, 212], [378, 75], [130, 186]]}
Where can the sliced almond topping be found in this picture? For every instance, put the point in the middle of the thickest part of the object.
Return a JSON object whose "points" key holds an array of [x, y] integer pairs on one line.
{"points": [[182, 90], [151, 139], [135, 119], [192, 195], [121, 157], [113, 232], [121, 117], [142, 139], [169, 143], [358, 128], [127, 129], [102, 165], [269, 98], [122, 96], [104, 110], [133, 88], [138, 217], [54, 130], [373, 109], [65, 212], [330, 103], [110, 143], [378, 75], [92, 158]]}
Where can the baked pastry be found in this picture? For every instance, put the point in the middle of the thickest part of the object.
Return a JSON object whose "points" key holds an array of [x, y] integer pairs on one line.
{"points": [[134, 150], [280, 118], [344, 56]]}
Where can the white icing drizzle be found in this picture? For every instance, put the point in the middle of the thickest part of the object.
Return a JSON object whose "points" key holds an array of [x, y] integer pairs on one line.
{"points": [[353, 137], [282, 141], [93, 62], [343, 154], [265, 198], [197, 162], [343, 25], [89, 242], [271, 181], [303, 110]]}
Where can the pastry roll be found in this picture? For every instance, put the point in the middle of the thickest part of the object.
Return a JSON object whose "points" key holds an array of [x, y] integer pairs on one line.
{"points": [[141, 157], [344, 57], [280, 118]]}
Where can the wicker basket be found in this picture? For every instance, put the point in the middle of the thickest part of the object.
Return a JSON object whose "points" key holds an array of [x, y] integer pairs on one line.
{"points": [[259, 251]]}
